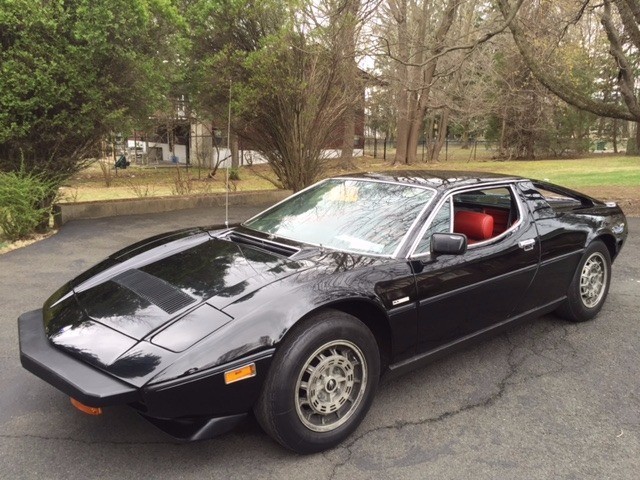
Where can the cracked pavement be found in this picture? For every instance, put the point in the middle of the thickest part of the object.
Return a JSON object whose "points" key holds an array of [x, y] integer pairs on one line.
{"points": [[548, 399]]}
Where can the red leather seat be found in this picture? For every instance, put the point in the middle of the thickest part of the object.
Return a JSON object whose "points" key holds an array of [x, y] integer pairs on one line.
{"points": [[475, 225], [500, 219]]}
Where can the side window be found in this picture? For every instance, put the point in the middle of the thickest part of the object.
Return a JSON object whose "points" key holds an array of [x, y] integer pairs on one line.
{"points": [[441, 223], [480, 214], [484, 213]]}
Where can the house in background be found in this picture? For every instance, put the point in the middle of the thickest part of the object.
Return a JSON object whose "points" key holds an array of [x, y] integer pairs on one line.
{"points": [[184, 139]]}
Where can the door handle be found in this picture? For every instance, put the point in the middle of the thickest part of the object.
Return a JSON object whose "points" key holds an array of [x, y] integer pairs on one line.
{"points": [[527, 245]]}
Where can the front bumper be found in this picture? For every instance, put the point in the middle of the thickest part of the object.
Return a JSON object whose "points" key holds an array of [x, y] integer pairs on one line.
{"points": [[195, 408], [73, 377]]}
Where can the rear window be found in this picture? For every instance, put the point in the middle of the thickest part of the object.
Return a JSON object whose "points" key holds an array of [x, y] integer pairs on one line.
{"points": [[556, 199], [553, 197]]}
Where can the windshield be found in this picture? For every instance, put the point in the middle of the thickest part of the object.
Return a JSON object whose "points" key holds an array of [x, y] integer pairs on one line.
{"points": [[356, 215]]}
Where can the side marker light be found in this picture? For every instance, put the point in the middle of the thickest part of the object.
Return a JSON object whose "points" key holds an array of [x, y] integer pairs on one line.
{"points": [[86, 408], [241, 373]]}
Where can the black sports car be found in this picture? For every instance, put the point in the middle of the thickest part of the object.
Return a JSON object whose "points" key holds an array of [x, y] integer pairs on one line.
{"points": [[296, 313]]}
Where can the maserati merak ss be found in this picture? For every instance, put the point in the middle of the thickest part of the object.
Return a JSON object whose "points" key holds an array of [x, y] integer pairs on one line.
{"points": [[296, 314]]}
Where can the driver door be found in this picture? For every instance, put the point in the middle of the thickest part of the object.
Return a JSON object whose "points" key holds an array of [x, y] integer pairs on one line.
{"points": [[462, 295]]}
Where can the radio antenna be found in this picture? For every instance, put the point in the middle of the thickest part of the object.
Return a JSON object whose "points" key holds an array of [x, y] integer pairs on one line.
{"points": [[226, 182]]}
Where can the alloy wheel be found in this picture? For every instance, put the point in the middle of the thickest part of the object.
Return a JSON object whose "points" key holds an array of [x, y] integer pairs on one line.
{"points": [[330, 386], [593, 280]]}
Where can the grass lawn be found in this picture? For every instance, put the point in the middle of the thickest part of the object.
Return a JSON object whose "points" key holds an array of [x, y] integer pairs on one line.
{"points": [[139, 182], [595, 172], [603, 176]]}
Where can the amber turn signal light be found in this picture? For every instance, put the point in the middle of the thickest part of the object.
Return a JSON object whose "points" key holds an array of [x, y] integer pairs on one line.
{"points": [[86, 408], [241, 373]]}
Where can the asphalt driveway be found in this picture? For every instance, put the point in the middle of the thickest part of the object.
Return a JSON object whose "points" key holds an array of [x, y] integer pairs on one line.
{"points": [[547, 400]]}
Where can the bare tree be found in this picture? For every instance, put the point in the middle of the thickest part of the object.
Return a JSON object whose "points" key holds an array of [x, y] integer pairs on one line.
{"points": [[347, 38], [338, 25], [417, 68], [427, 43], [543, 46], [297, 106]]}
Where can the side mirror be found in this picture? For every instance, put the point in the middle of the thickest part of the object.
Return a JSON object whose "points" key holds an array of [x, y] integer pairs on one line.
{"points": [[448, 244]]}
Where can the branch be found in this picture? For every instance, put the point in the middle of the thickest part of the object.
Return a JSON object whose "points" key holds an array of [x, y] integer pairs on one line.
{"points": [[625, 78], [635, 8], [629, 21], [470, 46], [555, 84], [576, 18]]}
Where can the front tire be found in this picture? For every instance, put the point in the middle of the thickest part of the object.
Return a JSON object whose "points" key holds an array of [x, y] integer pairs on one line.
{"points": [[321, 383], [590, 285]]}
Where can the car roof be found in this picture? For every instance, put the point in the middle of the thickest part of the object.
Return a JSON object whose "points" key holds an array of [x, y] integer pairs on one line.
{"points": [[438, 179]]}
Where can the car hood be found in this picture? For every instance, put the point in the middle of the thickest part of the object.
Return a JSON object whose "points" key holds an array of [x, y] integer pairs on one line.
{"points": [[106, 313]]}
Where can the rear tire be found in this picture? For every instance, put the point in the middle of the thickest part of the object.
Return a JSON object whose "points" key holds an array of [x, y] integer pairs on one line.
{"points": [[321, 382], [590, 285]]}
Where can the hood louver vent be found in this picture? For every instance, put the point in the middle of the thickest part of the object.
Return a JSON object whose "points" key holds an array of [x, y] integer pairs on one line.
{"points": [[274, 247], [154, 290]]}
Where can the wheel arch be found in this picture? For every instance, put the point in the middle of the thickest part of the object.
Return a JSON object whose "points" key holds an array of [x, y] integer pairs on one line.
{"points": [[372, 315], [577, 306], [609, 241], [375, 319]]}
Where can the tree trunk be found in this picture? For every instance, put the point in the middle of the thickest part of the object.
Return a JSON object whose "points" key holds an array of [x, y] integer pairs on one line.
{"points": [[442, 137], [465, 136], [632, 142], [420, 81], [350, 77], [348, 136], [233, 147], [503, 131], [402, 94], [403, 131], [414, 135]]}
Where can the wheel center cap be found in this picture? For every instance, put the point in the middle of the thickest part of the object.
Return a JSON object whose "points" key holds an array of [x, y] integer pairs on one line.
{"points": [[331, 385]]}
